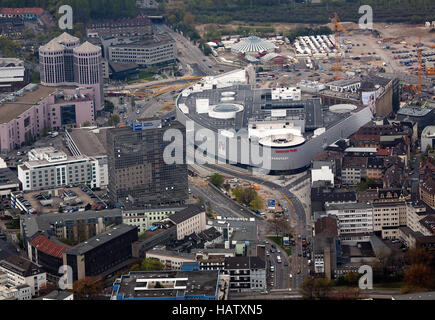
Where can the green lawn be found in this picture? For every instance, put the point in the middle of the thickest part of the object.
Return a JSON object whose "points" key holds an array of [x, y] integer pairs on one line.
{"points": [[278, 241]]}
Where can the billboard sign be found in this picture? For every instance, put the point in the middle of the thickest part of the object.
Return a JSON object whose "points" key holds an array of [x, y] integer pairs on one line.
{"points": [[271, 204], [369, 100]]}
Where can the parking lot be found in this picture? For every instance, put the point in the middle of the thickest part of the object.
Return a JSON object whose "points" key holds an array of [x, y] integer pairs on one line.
{"points": [[71, 199]]}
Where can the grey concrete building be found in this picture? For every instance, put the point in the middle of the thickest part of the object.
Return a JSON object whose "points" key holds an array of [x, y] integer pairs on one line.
{"points": [[157, 50]]}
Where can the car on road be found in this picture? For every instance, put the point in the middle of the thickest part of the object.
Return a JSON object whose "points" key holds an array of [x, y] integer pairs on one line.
{"points": [[299, 271], [290, 275], [267, 254], [278, 251], [272, 284], [285, 263]]}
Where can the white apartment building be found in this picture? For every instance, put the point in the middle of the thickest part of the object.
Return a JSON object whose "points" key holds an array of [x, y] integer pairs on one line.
{"points": [[414, 214], [144, 218], [189, 220], [21, 271], [21, 292], [354, 220], [357, 220], [52, 168]]}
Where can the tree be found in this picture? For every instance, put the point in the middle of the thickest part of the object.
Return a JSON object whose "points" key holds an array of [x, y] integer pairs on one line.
{"points": [[149, 264], [244, 195], [316, 288], [256, 204], [87, 288], [322, 287], [217, 180], [281, 225], [419, 270], [418, 276], [108, 106], [189, 20], [209, 210], [352, 278], [113, 120], [86, 124], [88, 207], [308, 288], [200, 200]]}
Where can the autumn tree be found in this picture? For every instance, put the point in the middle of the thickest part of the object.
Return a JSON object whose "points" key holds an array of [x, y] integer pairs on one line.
{"points": [[87, 288], [316, 288], [419, 271]]}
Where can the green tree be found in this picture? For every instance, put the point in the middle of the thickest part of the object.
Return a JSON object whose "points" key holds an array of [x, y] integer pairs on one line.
{"points": [[217, 180], [244, 195], [149, 264], [200, 200], [36, 77], [256, 204], [108, 106], [114, 120], [86, 124]]}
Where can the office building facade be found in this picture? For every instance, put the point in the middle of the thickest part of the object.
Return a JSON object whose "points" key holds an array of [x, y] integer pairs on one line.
{"points": [[138, 174]]}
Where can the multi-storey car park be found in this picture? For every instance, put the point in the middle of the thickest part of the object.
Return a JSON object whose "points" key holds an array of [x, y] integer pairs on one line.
{"points": [[289, 129]]}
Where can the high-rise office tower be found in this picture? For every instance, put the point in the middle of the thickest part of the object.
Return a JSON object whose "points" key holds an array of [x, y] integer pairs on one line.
{"points": [[64, 61], [138, 174]]}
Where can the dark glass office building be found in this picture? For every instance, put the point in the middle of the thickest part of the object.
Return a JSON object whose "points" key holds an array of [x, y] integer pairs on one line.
{"points": [[138, 174]]}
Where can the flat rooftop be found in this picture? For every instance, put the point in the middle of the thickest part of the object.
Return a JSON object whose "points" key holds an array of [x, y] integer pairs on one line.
{"points": [[87, 142], [155, 41], [258, 107], [141, 285], [100, 239], [8, 177], [11, 110]]}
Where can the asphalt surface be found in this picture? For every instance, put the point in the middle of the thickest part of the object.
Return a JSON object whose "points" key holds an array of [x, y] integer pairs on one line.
{"points": [[298, 264]]}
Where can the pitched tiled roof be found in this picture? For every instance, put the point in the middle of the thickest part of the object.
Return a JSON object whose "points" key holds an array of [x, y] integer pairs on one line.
{"points": [[49, 247], [37, 11]]}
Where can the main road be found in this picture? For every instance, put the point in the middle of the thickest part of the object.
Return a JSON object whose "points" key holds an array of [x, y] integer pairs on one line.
{"points": [[299, 267]]}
